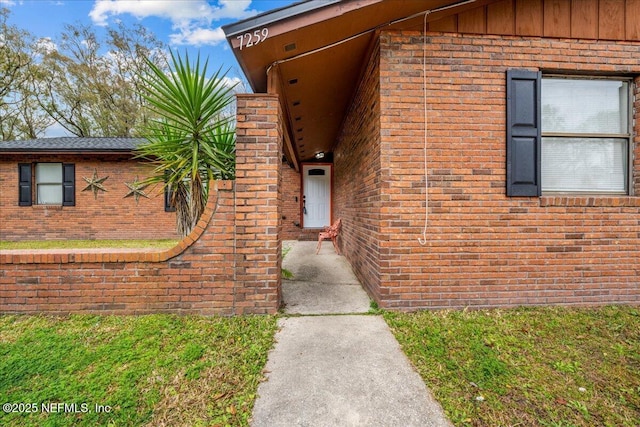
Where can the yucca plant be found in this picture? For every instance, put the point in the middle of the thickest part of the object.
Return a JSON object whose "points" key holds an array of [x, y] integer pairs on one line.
{"points": [[191, 141]]}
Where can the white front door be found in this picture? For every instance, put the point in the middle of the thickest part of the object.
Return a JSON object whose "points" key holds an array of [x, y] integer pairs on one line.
{"points": [[317, 196]]}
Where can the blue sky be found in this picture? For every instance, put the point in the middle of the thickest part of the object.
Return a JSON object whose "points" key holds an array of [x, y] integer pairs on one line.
{"points": [[191, 25]]}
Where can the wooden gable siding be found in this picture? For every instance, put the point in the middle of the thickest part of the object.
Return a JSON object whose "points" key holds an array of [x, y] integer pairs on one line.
{"points": [[579, 19]]}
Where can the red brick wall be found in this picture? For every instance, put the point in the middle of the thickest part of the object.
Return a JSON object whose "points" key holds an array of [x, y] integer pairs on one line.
{"points": [[358, 181], [194, 277], [483, 248], [229, 264], [107, 216], [258, 203], [290, 203]]}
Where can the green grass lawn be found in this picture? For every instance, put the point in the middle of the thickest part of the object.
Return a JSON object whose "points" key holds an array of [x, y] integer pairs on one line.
{"points": [[557, 367], [522, 367], [88, 244], [145, 370]]}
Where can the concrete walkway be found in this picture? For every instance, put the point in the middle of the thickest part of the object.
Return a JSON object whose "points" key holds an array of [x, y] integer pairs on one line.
{"points": [[321, 284], [332, 366]]}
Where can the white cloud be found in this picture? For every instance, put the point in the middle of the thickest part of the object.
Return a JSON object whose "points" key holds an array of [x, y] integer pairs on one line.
{"points": [[7, 3], [46, 45], [197, 36], [192, 20], [236, 8], [232, 81], [177, 12]]}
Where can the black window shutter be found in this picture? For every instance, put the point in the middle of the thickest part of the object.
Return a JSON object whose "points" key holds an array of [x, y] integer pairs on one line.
{"points": [[168, 202], [523, 133], [25, 179], [168, 195], [68, 184]]}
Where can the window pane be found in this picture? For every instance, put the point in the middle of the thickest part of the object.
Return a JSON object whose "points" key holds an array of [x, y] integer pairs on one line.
{"points": [[49, 183], [49, 194], [584, 164], [584, 106], [49, 173]]}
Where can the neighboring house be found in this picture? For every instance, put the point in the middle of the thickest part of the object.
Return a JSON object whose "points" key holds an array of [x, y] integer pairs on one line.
{"points": [[79, 188], [479, 153]]}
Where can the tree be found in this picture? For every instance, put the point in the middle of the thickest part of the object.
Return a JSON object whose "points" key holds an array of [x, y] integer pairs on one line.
{"points": [[88, 85], [91, 87], [20, 114], [130, 50], [192, 141]]}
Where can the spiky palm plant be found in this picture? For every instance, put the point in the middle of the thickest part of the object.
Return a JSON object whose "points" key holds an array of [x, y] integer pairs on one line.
{"points": [[192, 140]]}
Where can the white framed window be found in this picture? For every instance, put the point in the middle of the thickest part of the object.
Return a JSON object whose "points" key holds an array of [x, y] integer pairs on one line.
{"points": [[49, 183], [54, 184], [586, 134]]}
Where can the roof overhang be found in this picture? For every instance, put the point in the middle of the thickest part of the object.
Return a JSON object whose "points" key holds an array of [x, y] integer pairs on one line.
{"points": [[313, 54], [66, 152], [72, 145]]}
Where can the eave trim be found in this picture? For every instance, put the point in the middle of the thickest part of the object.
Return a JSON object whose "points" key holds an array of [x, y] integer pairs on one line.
{"points": [[276, 15]]}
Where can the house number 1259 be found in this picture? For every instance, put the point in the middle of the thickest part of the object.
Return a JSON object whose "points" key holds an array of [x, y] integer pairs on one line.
{"points": [[252, 39]]}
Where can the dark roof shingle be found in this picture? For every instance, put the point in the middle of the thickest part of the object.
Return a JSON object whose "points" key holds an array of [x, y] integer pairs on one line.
{"points": [[71, 144]]}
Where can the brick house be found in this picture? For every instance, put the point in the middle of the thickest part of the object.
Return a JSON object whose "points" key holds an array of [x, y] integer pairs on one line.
{"points": [[479, 153], [79, 188]]}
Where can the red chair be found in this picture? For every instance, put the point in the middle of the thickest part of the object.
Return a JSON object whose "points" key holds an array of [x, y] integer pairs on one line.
{"points": [[330, 232]]}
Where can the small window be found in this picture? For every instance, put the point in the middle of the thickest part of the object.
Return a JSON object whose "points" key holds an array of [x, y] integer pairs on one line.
{"points": [[49, 183], [54, 184], [585, 135], [316, 172]]}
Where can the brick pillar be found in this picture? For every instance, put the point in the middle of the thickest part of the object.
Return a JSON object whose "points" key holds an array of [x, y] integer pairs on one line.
{"points": [[258, 205]]}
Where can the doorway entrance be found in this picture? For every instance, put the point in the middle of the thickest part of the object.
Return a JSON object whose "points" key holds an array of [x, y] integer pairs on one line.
{"points": [[316, 195]]}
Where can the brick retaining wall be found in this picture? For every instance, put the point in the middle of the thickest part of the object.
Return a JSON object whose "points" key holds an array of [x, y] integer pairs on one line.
{"points": [[230, 263]]}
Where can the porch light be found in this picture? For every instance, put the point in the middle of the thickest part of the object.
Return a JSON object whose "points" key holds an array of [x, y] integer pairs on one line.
{"points": [[320, 155]]}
